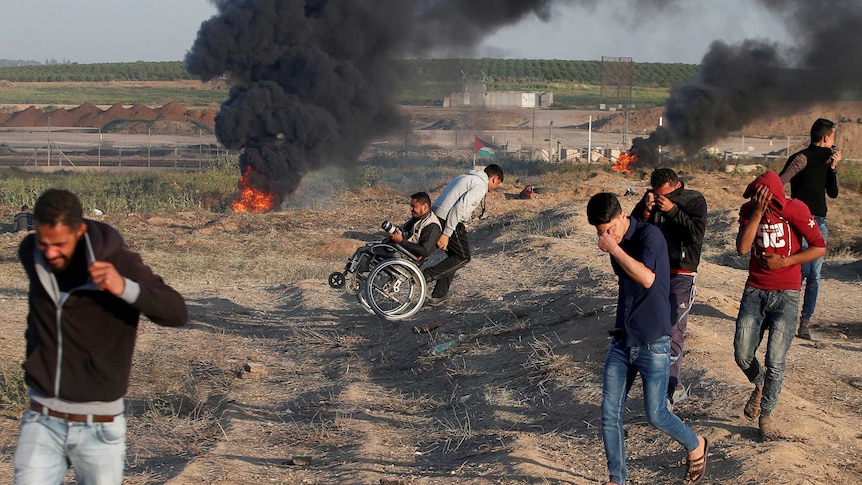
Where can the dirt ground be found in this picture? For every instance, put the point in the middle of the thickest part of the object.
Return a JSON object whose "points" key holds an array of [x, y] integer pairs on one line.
{"points": [[339, 396], [279, 378]]}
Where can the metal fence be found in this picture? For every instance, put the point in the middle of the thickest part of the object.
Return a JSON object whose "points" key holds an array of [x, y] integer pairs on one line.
{"points": [[89, 147]]}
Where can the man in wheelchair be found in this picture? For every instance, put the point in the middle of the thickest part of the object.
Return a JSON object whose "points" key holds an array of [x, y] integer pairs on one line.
{"points": [[385, 276], [420, 233]]}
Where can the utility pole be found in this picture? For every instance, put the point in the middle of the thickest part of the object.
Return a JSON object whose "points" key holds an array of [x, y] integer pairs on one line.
{"points": [[533, 138], [659, 147], [625, 128]]}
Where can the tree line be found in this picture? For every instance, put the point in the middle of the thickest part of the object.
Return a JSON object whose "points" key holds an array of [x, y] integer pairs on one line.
{"points": [[494, 71], [105, 72]]}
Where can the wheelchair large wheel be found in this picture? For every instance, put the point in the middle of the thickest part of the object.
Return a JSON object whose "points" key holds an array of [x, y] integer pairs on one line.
{"points": [[395, 289]]}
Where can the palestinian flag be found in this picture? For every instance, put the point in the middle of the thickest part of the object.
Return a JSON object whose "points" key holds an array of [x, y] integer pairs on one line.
{"points": [[484, 148]]}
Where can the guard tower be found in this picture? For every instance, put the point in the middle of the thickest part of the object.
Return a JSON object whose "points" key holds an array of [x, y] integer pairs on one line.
{"points": [[616, 81]]}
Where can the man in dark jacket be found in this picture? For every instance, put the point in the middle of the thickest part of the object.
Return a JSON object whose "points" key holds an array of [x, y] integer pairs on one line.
{"points": [[86, 294], [681, 214], [813, 175], [420, 233]]}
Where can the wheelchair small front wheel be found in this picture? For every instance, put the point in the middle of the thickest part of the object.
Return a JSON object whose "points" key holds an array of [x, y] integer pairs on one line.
{"points": [[352, 285], [336, 280]]}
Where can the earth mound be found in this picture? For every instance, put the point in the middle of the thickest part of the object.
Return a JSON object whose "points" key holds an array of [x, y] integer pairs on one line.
{"points": [[89, 116]]}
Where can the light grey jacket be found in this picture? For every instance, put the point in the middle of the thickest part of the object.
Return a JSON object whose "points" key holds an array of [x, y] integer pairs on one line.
{"points": [[460, 198]]}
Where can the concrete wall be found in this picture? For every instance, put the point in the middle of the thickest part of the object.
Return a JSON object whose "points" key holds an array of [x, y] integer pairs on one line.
{"points": [[498, 99]]}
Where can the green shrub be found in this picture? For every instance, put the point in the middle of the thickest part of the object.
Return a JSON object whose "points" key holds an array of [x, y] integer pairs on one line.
{"points": [[110, 192]]}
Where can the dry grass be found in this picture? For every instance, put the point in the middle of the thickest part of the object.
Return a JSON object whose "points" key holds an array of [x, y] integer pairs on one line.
{"points": [[515, 401]]}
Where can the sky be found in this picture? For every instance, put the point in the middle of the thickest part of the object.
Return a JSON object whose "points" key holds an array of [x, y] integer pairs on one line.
{"points": [[94, 31], [615, 29]]}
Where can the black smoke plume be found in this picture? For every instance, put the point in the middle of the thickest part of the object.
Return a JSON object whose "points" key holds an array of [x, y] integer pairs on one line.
{"points": [[739, 84], [312, 79]]}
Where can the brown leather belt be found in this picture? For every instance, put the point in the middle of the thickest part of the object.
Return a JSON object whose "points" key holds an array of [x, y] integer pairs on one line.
{"points": [[76, 418]]}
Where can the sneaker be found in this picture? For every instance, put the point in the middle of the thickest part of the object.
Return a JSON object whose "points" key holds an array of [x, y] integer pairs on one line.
{"points": [[434, 301], [804, 333]]}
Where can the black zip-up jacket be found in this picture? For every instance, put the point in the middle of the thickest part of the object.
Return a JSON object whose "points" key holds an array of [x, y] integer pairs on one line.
{"points": [[80, 343], [811, 177], [683, 226]]}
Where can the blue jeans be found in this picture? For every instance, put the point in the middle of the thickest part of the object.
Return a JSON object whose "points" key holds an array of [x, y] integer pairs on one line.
{"points": [[811, 275], [622, 365], [761, 311], [48, 445]]}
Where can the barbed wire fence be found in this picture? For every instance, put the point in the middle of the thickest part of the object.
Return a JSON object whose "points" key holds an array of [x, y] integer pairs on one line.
{"points": [[90, 147]]}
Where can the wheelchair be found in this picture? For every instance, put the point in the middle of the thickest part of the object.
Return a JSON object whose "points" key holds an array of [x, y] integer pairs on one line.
{"points": [[386, 280]]}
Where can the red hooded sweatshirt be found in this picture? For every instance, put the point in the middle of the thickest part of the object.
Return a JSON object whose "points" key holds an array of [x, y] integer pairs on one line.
{"points": [[783, 225]]}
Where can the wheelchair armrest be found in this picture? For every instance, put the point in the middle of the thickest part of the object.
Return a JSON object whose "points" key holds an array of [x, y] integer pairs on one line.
{"points": [[407, 254], [400, 250]]}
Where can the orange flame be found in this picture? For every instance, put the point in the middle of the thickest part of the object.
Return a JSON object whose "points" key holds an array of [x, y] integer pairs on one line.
{"points": [[626, 159], [251, 199]]}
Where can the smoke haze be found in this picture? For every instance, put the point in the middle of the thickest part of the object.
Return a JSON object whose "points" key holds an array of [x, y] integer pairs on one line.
{"points": [[312, 80], [741, 83]]}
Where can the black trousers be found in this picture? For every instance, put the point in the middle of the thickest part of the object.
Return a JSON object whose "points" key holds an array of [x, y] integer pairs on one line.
{"points": [[457, 255]]}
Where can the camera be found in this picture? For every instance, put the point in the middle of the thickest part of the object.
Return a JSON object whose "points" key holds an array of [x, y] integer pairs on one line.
{"points": [[389, 227], [834, 151]]}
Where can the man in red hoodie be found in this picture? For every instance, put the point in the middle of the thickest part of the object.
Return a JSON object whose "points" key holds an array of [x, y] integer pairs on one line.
{"points": [[771, 228]]}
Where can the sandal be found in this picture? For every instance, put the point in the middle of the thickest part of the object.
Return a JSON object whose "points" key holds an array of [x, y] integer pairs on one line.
{"points": [[694, 469], [752, 407], [768, 431], [804, 333]]}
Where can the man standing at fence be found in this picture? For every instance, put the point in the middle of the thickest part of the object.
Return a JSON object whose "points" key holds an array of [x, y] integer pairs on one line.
{"points": [[813, 175], [87, 292]]}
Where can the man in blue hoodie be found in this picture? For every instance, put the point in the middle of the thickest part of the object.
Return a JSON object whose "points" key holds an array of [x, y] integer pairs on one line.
{"points": [[455, 206]]}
